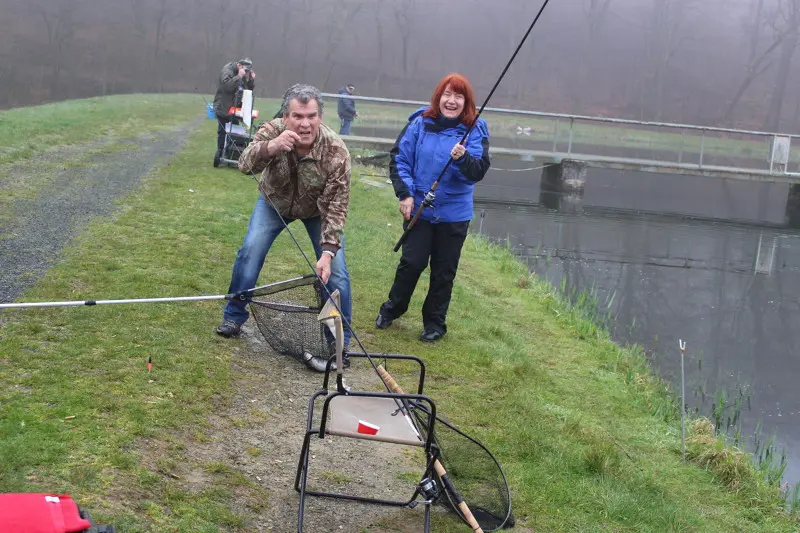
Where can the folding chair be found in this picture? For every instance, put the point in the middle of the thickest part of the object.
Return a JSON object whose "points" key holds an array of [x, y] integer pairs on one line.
{"points": [[239, 130], [372, 416]]}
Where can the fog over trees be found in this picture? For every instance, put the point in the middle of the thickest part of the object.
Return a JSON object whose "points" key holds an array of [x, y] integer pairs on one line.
{"points": [[711, 62]]}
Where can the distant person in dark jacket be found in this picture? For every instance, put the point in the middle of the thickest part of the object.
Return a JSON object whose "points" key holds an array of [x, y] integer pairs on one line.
{"points": [[347, 109], [431, 137], [234, 76]]}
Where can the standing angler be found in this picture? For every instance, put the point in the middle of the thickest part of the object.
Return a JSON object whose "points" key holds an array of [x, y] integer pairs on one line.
{"points": [[431, 137], [234, 76], [346, 109]]}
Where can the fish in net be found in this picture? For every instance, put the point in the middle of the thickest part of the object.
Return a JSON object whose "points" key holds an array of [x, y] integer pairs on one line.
{"points": [[286, 315]]}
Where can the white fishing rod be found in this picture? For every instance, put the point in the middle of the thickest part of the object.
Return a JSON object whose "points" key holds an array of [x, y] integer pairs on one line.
{"points": [[244, 295]]}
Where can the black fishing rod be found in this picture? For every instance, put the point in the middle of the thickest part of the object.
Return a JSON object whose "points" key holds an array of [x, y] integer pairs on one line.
{"points": [[430, 196]]}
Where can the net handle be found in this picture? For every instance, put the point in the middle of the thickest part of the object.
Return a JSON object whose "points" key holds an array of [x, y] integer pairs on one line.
{"points": [[437, 465]]}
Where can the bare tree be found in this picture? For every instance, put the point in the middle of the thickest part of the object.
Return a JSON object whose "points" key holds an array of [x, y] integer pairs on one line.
{"points": [[61, 24], [165, 11], [337, 30], [665, 35], [595, 12], [755, 68], [379, 33], [524, 68], [138, 20], [760, 60], [789, 18], [405, 22]]}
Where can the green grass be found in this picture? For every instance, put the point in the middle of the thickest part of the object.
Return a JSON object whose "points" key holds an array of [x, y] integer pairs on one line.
{"points": [[588, 438], [26, 131]]}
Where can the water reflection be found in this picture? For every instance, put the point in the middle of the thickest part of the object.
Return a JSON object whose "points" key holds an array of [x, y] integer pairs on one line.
{"points": [[706, 260]]}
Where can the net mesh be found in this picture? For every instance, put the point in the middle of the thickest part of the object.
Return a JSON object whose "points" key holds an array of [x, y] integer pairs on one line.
{"points": [[286, 315], [475, 473]]}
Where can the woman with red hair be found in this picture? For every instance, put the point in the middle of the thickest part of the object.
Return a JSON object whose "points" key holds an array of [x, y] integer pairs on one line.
{"points": [[430, 138]]}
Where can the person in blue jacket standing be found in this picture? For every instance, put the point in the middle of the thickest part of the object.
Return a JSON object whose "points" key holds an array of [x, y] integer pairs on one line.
{"points": [[420, 153]]}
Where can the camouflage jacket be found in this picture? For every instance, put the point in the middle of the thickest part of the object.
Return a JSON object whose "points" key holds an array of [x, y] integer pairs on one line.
{"points": [[319, 185]]}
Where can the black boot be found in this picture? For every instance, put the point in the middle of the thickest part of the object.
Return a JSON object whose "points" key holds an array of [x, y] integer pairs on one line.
{"points": [[431, 334]]}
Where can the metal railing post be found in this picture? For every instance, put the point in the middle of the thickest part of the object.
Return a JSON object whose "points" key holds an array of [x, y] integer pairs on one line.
{"points": [[569, 146], [771, 150], [555, 136], [702, 146]]}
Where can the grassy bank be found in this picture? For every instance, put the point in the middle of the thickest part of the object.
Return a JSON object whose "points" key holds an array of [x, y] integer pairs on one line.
{"points": [[588, 440], [28, 130]]}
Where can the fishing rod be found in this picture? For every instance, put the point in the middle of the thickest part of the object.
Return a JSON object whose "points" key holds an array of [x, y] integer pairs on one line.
{"points": [[239, 295], [430, 196]]}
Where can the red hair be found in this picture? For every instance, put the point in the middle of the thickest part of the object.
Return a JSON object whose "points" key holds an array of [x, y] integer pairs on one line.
{"points": [[458, 84]]}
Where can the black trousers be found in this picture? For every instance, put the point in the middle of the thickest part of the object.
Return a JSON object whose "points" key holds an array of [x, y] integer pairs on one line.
{"points": [[221, 122], [441, 244]]}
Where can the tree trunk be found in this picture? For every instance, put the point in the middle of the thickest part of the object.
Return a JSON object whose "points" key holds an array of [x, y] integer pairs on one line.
{"points": [[755, 69], [595, 19], [773, 121], [379, 33]]}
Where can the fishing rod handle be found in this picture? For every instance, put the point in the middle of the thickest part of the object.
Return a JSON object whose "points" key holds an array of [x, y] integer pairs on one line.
{"points": [[428, 200], [389, 380], [411, 224], [437, 465]]}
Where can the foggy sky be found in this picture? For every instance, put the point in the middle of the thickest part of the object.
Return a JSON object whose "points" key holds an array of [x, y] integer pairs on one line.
{"points": [[672, 60]]}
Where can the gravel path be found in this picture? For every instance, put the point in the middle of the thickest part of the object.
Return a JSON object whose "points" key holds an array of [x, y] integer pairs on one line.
{"points": [[82, 187]]}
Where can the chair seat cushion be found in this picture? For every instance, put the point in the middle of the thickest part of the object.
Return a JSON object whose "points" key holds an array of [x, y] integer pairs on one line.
{"points": [[360, 417]]}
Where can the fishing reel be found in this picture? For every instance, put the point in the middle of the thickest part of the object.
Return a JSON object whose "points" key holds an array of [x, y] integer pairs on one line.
{"points": [[429, 489], [430, 196]]}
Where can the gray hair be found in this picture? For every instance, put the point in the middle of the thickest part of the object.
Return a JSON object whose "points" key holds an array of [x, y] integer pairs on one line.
{"points": [[302, 93]]}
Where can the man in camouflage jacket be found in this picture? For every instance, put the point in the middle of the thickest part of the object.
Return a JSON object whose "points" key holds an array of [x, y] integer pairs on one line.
{"points": [[305, 175]]}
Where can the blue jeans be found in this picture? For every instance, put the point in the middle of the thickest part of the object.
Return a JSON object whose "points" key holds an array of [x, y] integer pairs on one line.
{"points": [[345, 129], [265, 225]]}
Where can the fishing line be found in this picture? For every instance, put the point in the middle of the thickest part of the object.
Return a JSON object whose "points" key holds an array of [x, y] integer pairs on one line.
{"points": [[430, 196], [521, 169]]}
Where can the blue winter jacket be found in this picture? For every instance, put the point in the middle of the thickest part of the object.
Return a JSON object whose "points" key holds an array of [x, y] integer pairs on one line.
{"points": [[421, 152]]}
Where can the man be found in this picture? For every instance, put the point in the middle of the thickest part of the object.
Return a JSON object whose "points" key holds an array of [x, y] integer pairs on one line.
{"points": [[347, 109], [305, 176], [234, 76]]}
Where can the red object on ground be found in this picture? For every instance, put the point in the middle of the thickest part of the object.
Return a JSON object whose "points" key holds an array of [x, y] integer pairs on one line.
{"points": [[367, 429], [40, 513]]}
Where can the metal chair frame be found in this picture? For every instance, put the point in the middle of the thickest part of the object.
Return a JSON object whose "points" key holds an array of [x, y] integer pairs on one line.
{"points": [[403, 401]]}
